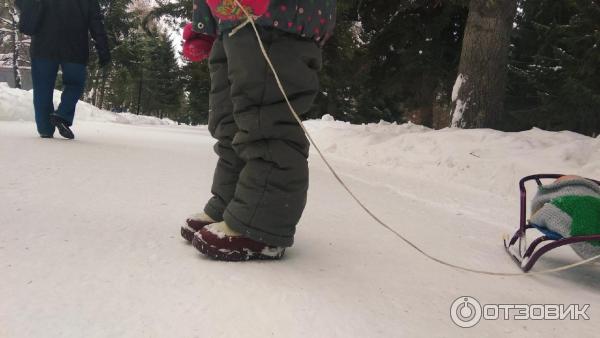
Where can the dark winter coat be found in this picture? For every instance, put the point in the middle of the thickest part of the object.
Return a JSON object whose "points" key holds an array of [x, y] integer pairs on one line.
{"points": [[313, 19], [63, 32]]}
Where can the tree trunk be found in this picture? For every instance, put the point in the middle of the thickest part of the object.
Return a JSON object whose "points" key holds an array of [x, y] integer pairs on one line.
{"points": [[423, 113], [94, 86], [331, 103], [16, 44], [478, 95], [139, 98], [102, 88]]}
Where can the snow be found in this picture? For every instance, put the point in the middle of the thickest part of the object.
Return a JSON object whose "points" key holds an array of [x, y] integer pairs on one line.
{"points": [[460, 80], [457, 114], [357, 31], [90, 245], [271, 252], [6, 57], [459, 109], [483, 159], [17, 105]]}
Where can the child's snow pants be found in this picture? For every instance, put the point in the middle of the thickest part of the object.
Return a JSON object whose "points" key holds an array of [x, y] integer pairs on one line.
{"points": [[261, 179]]}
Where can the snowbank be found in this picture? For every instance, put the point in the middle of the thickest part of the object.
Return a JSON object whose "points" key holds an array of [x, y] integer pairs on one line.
{"points": [[485, 159], [17, 105]]}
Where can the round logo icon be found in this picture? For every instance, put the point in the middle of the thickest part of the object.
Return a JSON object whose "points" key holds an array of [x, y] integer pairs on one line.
{"points": [[466, 312]]}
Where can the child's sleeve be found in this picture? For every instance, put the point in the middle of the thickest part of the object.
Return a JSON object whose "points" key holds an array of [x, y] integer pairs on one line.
{"points": [[203, 20]]}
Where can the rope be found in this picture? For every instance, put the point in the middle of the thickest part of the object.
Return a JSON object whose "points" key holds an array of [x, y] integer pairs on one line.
{"points": [[250, 20]]}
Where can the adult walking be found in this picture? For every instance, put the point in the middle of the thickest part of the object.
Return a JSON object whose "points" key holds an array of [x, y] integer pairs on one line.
{"points": [[59, 30]]}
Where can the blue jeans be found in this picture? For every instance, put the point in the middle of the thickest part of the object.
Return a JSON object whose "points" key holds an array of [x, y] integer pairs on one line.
{"points": [[43, 74]]}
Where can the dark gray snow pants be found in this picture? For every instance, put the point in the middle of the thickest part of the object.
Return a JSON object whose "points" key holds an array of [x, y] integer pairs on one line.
{"points": [[261, 179]]}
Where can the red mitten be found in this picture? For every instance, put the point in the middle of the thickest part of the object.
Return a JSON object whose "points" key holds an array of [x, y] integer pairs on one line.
{"points": [[188, 32], [229, 10], [198, 47]]}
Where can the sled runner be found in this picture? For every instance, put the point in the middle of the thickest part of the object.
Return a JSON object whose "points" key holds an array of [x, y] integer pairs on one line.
{"points": [[527, 255]]}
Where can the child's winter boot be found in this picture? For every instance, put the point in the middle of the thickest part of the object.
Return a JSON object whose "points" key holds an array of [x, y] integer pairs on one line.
{"points": [[193, 224], [219, 242]]}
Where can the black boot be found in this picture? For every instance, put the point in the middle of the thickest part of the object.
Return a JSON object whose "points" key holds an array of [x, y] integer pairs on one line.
{"points": [[62, 126]]}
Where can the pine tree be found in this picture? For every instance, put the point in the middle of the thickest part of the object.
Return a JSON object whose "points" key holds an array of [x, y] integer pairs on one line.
{"points": [[414, 49], [162, 88], [555, 67], [196, 81], [344, 69], [172, 12]]}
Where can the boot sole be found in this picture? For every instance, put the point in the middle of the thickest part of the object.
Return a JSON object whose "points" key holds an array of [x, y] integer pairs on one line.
{"points": [[187, 233], [231, 255], [64, 132], [62, 129]]}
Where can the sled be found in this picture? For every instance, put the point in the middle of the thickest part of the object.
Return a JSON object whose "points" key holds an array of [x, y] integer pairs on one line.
{"points": [[527, 255]]}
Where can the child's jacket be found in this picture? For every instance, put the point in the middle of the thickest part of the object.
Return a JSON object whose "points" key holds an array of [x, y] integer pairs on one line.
{"points": [[314, 19]]}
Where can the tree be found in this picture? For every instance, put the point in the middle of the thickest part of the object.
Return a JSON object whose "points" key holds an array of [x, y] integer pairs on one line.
{"points": [[554, 74], [479, 89], [172, 12], [194, 77], [119, 22], [344, 69], [162, 90], [196, 81], [414, 48], [13, 53]]}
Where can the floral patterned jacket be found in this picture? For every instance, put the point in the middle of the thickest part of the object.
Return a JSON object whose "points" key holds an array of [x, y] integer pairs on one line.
{"points": [[312, 19]]}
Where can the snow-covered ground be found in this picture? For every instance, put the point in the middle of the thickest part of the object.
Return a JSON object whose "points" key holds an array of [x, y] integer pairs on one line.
{"points": [[90, 245], [16, 105]]}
